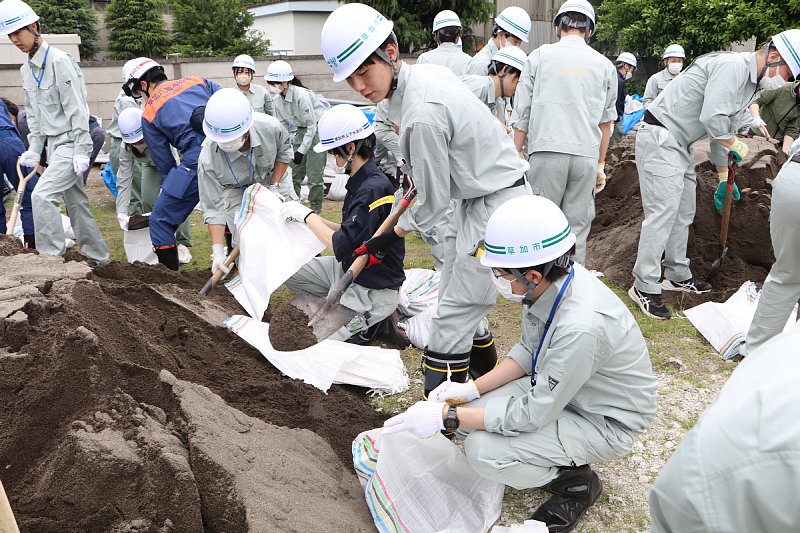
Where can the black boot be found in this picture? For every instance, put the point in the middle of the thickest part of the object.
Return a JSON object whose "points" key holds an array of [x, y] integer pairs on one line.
{"points": [[574, 491], [228, 238], [483, 357], [168, 257], [435, 367], [30, 241]]}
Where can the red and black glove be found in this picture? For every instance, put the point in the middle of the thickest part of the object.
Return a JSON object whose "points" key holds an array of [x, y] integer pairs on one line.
{"points": [[376, 247]]}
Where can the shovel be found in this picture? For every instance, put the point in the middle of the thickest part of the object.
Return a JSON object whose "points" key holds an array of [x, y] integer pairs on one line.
{"points": [[7, 522], [219, 274], [726, 218], [328, 315], [23, 180]]}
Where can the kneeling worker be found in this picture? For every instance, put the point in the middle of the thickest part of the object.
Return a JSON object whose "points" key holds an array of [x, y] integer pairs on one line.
{"points": [[347, 134], [241, 148], [576, 390]]}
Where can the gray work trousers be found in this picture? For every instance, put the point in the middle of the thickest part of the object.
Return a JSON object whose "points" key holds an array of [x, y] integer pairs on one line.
{"points": [[60, 179], [135, 205], [533, 459], [668, 183], [320, 274], [782, 286], [466, 290], [568, 181]]}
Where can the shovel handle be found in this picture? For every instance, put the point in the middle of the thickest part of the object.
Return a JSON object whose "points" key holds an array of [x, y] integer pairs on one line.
{"points": [[7, 521], [23, 180], [219, 274], [726, 210]]}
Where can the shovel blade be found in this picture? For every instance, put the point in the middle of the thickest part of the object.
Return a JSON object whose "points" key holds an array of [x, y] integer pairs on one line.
{"points": [[337, 317], [715, 266]]}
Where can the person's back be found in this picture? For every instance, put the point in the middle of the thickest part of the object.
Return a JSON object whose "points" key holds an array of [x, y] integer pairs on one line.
{"points": [[447, 55]]}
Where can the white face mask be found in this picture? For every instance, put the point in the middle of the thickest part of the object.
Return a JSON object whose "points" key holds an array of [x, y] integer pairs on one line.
{"points": [[232, 146], [243, 79], [273, 89], [628, 75], [771, 82], [674, 68], [504, 288]]}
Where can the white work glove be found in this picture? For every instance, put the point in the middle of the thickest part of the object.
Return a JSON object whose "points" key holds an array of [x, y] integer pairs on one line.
{"points": [[759, 126], [123, 221], [295, 211], [218, 257], [29, 159], [273, 188], [454, 393], [80, 163], [423, 419], [600, 183]]}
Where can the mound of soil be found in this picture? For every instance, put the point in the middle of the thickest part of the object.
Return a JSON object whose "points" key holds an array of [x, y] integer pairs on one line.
{"points": [[127, 406], [288, 329], [614, 236]]}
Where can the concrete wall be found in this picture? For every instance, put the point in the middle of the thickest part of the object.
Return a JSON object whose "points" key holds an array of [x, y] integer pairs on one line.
{"points": [[11, 55], [279, 29]]}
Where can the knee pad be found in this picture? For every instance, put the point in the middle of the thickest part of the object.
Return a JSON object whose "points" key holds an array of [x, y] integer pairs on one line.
{"points": [[436, 367], [483, 356]]}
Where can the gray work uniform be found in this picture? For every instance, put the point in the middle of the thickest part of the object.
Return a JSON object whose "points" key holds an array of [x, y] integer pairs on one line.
{"points": [[455, 151], [300, 108], [738, 469], [655, 84], [58, 116], [705, 99], [260, 99], [483, 88], [479, 64], [123, 102], [150, 180], [222, 186], [782, 287], [595, 389], [566, 90], [447, 55]]}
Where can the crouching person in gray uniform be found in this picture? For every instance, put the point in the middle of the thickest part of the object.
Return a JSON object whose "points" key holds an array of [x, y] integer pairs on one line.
{"points": [[576, 390]]}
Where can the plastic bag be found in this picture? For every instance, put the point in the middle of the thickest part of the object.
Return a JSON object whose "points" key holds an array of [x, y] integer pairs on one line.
{"points": [[419, 292], [109, 178], [415, 485]]}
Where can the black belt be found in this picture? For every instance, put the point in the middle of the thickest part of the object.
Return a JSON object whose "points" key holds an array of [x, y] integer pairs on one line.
{"points": [[795, 158], [653, 121], [517, 183]]}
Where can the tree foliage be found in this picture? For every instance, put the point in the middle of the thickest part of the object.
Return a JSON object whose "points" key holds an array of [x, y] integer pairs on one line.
{"points": [[215, 28], [413, 19], [69, 16], [136, 28]]}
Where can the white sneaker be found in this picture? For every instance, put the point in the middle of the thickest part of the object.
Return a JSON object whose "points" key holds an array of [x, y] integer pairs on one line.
{"points": [[184, 255]]}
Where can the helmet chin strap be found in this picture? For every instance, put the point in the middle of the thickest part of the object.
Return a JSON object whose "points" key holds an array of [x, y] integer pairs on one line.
{"points": [[383, 55], [563, 261], [36, 41]]}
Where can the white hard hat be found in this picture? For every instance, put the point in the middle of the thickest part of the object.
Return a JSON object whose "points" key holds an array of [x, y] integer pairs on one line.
{"points": [[512, 56], [445, 19], [15, 14], [279, 71], [526, 231], [788, 45], [627, 57], [515, 21], [674, 50], [340, 125], [350, 35], [244, 61], [130, 125], [228, 116], [576, 6], [136, 68]]}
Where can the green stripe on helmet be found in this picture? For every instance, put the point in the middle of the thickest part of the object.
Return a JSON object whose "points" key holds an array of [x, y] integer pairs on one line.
{"points": [[510, 23], [546, 243], [499, 250], [791, 50]]}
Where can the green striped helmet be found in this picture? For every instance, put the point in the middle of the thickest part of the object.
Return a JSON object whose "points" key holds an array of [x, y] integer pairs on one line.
{"points": [[350, 35]]}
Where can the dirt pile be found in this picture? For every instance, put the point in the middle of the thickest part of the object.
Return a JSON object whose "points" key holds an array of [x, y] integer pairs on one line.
{"points": [[288, 329], [127, 406], [614, 236]]}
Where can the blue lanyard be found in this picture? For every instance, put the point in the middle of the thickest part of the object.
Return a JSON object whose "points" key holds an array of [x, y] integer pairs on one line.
{"points": [[548, 323], [44, 63], [249, 168]]}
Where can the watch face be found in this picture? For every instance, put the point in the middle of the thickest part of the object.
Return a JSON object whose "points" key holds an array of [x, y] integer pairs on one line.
{"points": [[451, 421]]}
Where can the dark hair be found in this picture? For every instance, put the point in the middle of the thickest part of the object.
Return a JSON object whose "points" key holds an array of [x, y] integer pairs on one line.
{"points": [[391, 39], [572, 20], [496, 66], [365, 151], [294, 81], [556, 272], [448, 34], [154, 75], [12, 107]]}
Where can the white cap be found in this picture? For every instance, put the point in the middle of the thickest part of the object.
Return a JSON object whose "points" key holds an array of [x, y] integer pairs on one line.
{"points": [[15, 14], [512, 56], [526, 231], [446, 19], [788, 45], [136, 68], [515, 21], [340, 125], [279, 71], [130, 125], [576, 6], [627, 57], [244, 61], [350, 35], [228, 116], [674, 50]]}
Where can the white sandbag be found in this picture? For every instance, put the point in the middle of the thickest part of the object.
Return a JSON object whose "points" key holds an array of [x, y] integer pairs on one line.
{"points": [[138, 246], [725, 325], [338, 188], [529, 526], [415, 485], [270, 250], [419, 292], [418, 327], [329, 361]]}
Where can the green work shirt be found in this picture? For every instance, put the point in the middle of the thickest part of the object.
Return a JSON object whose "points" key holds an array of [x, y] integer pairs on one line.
{"points": [[447, 55], [299, 108], [780, 110]]}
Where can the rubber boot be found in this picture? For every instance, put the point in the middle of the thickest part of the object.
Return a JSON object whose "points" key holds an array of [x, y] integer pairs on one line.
{"points": [[168, 257], [29, 241], [436, 366], [574, 491], [483, 357], [228, 238]]}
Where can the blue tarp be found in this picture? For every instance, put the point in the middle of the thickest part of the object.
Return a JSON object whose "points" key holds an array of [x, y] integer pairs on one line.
{"points": [[629, 120], [109, 178]]}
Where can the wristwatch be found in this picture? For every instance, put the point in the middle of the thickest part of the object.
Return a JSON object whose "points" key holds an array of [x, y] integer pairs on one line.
{"points": [[451, 420]]}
